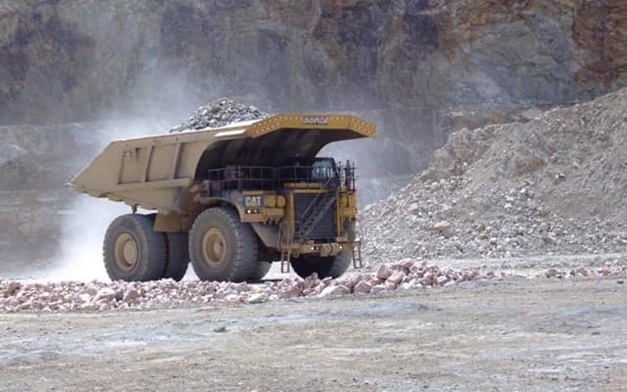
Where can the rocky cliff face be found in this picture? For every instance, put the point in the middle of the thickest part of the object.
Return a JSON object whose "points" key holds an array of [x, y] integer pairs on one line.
{"points": [[418, 68], [407, 62], [35, 164]]}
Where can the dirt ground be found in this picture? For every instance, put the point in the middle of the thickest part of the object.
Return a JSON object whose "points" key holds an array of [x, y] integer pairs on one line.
{"points": [[506, 334]]}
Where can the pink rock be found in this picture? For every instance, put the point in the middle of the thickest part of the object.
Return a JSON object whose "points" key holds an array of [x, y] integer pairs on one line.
{"points": [[377, 289], [445, 228], [258, 298], [350, 281], [84, 297], [384, 272], [312, 281], [92, 291], [232, 298], [406, 264], [106, 294], [441, 280], [130, 296], [292, 291], [397, 277], [334, 291], [409, 285], [390, 286], [362, 287], [373, 280], [12, 288]]}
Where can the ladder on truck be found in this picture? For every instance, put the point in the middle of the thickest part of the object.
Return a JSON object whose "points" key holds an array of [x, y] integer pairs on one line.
{"points": [[356, 246], [313, 214], [285, 244]]}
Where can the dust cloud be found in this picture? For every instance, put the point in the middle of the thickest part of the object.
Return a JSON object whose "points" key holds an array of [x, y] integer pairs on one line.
{"points": [[158, 105], [81, 244], [84, 226]]}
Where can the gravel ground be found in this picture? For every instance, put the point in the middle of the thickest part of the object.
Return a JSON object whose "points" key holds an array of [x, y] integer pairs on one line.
{"points": [[500, 334]]}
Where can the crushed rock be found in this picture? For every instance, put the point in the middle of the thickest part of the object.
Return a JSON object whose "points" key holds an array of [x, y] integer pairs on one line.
{"points": [[219, 113], [554, 185], [403, 275]]}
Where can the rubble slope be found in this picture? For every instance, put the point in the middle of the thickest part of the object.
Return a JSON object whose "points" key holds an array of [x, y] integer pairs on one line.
{"points": [[556, 184]]}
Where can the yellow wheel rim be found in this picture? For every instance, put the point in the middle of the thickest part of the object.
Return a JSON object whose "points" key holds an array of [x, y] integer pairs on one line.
{"points": [[214, 248], [126, 252]]}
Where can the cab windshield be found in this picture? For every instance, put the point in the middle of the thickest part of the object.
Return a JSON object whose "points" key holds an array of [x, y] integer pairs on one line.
{"points": [[320, 170]]}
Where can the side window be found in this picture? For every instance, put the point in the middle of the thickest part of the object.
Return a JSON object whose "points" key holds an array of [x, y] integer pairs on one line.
{"points": [[323, 169], [320, 170]]}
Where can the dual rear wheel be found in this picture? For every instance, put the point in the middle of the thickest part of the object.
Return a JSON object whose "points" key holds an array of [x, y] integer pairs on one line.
{"points": [[133, 251]]}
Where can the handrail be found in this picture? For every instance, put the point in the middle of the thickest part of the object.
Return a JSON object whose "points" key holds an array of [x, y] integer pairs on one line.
{"points": [[237, 177]]}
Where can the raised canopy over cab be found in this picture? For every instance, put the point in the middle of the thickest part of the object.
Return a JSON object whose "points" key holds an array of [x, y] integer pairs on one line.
{"points": [[155, 172]]}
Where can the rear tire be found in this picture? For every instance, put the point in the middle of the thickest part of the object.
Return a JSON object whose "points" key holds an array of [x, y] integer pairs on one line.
{"points": [[178, 255], [332, 266], [221, 247], [132, 250]]}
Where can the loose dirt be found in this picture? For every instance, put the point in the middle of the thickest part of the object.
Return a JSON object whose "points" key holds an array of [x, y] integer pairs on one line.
{"points": [[507, 333], [554, 185]]}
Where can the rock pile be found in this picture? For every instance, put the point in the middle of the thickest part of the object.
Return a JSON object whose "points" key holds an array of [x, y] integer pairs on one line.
{"points": [[219, 113], [554, 185], [71, 296], [406, 274]]}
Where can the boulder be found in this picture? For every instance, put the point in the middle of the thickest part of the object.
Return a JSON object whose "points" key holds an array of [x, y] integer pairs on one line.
{"points": [[445, 228]]}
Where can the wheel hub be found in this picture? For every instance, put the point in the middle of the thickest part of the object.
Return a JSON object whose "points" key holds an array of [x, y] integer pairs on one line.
{"points": [[126, 252], [214, 247]]}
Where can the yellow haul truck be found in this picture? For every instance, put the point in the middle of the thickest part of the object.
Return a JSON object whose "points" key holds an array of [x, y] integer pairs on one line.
{"points": [[232, 200]]}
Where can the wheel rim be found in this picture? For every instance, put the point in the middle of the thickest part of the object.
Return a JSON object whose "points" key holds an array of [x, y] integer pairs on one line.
{"points": [[214, 248], [126, 253]]}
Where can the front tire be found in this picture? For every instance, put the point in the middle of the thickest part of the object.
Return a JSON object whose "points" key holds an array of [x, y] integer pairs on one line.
{"points": [[332, 266], [221, 247], [132, 250]]}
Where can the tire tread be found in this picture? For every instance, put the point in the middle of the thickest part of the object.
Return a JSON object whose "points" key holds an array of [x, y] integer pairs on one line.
{"points": [[243, 264], [152, 248]]}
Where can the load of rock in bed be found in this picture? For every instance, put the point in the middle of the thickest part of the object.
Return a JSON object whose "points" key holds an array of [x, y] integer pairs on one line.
{"points": [[406, 274], [554, 185], [220, 113]]}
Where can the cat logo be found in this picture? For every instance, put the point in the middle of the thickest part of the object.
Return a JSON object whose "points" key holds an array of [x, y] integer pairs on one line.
{"points": [[253, 201]]}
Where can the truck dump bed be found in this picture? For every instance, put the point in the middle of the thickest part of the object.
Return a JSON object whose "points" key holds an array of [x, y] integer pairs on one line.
{"points": [[155, 172]]}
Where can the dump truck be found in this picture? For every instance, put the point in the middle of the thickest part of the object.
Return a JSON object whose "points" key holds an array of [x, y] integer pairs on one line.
{"points": [[231, 200]]}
